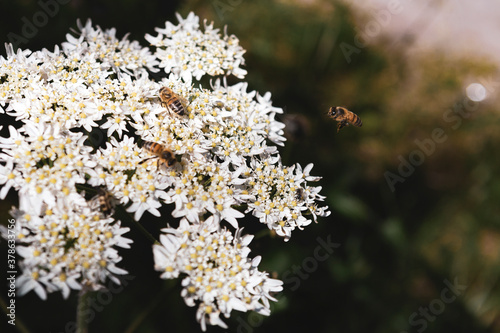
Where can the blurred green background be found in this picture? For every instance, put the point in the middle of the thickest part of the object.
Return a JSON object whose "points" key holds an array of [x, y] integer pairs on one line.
{"points": [[399, 243]]}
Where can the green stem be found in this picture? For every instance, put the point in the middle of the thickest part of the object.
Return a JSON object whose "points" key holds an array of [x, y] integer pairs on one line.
{"points": [[82, 310], [153, 304]]}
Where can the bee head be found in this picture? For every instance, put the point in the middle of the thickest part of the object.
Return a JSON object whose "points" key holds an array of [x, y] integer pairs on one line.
{"points": [[336, 111], [166, 91], [169, 157]]}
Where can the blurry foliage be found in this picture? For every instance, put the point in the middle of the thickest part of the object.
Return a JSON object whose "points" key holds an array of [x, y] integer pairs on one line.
{"points": [[396, 248], [442, 222]]}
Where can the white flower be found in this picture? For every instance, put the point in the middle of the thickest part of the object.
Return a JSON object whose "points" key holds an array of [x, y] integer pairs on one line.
{"points": [[121, 169], [43, 162], [219, 276], [188, 52], [31, 280], [122, 55], [68, 247]]}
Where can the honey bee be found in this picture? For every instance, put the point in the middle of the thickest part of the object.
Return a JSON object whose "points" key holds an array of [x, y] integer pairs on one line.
{"points": [[165, 156], [300, 194], [344, 117], [219, 104], [104, 201], [172, 101]]}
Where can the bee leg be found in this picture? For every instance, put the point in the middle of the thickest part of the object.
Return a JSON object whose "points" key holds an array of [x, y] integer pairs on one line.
{"points": [[147, 159], [170, 112], [159, 165], [341, 125]]}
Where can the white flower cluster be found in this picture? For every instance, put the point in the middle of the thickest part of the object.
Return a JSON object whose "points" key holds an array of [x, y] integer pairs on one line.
{"points": [[68, 245], [68, 249], [215, 162], [69, 88], [124, 55], [281, 198], [188, 52], [219, 275]]}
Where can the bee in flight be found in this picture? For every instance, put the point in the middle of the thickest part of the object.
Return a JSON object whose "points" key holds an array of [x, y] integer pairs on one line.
{"points": [[165, 156], [172, 101], [344, 117]]}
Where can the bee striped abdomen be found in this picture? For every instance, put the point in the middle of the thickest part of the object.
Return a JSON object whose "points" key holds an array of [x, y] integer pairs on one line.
{"points": [[152, 147], [171, 101], [106, 202], [177, 107], [356, 120], [164, 155]]}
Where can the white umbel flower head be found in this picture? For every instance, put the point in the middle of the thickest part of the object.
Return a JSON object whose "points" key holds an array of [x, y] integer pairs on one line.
{"points": [[68, 247], [95, 139], [218, 274], [188, 52], [43, 162], [121, 55]]}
